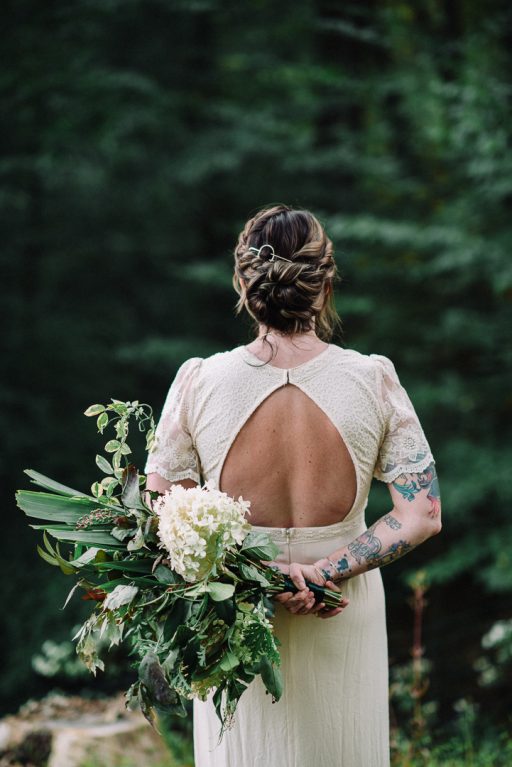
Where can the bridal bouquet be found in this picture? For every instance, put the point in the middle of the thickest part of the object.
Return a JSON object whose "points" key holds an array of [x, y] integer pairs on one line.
{"points": [[180, 578]]}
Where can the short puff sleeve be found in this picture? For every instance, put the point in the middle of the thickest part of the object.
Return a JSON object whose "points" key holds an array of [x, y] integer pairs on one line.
{"points": [[404, 447], [173, 455]]}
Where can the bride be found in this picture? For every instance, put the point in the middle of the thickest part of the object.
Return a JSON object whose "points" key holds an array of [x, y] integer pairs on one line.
{"points": [[300, 426]]}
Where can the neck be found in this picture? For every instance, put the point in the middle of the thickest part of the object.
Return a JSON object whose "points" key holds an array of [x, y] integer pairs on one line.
{"points": [[266, 331]]}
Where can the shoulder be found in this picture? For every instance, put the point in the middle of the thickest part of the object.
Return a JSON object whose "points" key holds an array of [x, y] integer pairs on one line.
{"points": [[200, 370], [366, 365]]}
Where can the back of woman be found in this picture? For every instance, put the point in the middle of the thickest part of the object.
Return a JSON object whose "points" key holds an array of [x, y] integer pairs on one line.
{"points": [[299, 427]]}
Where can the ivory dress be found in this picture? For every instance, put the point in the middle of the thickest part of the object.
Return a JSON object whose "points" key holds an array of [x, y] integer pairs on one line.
{"points": [[334, 709]]}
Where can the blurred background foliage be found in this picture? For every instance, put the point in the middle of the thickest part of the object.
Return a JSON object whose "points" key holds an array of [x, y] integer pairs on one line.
{"points": [[138, 136]]}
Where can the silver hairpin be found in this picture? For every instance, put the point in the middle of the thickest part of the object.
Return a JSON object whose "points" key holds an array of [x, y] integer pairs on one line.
{"points": [[274, 254]]}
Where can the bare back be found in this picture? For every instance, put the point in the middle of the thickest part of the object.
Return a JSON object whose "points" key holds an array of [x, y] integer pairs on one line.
{"points": [[291, 462]]}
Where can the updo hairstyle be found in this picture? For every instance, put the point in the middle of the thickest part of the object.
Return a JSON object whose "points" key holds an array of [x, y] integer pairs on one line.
{"points": [[288, 297]]}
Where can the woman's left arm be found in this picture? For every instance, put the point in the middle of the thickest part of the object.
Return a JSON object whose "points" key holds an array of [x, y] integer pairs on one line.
{"points": [[415, 517]]}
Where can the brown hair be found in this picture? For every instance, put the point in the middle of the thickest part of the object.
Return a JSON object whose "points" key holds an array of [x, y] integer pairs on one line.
{"points": [[288, 297]]}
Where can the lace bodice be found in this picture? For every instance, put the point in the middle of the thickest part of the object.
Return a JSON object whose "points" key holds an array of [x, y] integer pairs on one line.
{"points": [[211, 398]]}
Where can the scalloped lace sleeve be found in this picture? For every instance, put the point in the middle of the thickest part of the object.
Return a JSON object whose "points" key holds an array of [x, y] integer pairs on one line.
{"points": [[404, 448], [173, 455]]}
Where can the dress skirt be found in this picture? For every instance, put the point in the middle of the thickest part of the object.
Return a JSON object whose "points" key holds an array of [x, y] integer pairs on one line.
{"points": [[334, 708]]}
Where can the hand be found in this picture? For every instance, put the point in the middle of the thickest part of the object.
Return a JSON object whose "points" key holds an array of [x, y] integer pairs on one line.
{"points": [[303, 601]]}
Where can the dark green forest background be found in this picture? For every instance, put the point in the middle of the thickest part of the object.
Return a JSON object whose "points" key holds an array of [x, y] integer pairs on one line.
{"points": [[137, 138]]}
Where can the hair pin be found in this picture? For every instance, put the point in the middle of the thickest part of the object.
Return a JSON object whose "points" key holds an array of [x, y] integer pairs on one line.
{"points": [[274, 254]]}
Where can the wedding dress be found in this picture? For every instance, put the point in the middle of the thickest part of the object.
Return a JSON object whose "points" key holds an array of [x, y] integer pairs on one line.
{"points": [[334, 709]]}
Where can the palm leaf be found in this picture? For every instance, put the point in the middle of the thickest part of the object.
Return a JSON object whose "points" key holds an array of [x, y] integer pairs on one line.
{"points": [[89, 537], [51, 484], [54, 507]]}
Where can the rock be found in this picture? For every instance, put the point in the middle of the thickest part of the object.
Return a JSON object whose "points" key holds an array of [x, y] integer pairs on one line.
{"points": [[65, 731]]}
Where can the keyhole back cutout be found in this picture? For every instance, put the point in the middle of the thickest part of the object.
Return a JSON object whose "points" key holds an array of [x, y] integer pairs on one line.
{"points": [[291, 462]]}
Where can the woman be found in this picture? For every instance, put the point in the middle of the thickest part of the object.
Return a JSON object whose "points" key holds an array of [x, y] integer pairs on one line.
{"points": [[299, 427]]}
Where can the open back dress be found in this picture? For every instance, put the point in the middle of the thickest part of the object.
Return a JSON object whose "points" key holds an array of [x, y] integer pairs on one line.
{"points": [[334, 709]]}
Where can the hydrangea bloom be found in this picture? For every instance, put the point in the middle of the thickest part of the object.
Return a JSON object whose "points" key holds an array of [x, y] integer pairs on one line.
{"points": [[197, 525]]}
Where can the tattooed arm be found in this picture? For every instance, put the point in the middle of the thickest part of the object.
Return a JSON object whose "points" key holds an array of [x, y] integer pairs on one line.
{"points": [[415, 516]]}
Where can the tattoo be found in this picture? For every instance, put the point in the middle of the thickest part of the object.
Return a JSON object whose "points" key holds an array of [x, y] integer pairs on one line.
{"points": [[394, 551], [392, 522], [342, 569], [434, 495], [409, 485], [342, 565], [366, 547]]}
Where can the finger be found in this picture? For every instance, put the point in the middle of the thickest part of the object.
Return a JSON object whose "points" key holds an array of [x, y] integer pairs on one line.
{"points": [[297, 577], [317, 607], [301, 597], [330, 613], [332, 586], [284, 597]]}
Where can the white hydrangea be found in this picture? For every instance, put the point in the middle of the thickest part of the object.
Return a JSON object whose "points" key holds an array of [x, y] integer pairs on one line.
{"points": [[196, 526]]}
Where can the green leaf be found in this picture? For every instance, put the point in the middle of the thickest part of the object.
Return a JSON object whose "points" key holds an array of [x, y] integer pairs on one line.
{"points": [[220, 591], [121, 595], [122, 533], [130, 495], [87, 557], [96, 538], [271, 677], [251, 573], [125, 449], [103, 464], [229, 661], [57, 508], [135, 566], [97, 489], [164, 574], [47, 558], [102, 422], [112, 445], [175, 617], [109, 483], [259, 545], [51, 484], [137, 542], [153, 678], [94, 410]]}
